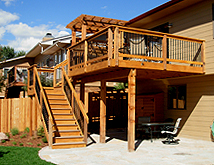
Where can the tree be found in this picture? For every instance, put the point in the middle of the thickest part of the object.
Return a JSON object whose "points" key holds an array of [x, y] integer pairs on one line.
{"points": [[7, 52], [20, 53]]}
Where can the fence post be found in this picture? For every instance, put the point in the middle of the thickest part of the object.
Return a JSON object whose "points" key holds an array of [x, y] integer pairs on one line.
{"points": [[31, 109]]}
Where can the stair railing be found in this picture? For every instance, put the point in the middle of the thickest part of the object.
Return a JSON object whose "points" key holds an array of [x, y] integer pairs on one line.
{"points": [[76, 104], [35, 87], [61, 78]]}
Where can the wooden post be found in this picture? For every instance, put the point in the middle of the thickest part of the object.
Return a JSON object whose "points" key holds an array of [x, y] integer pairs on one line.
{"points": [[9, 115], [50, 141], [110, 45], [31, 109], [103, 112], [131, 109], [84, 31], [203, 55], [85, 131], [164, 51], [69, 60], [35, 116], [74, 39], [116, 45], [86, 54], [15, 72]]}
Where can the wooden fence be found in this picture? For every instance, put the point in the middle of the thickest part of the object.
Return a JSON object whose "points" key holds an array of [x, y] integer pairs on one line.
{"points": [[19, 113]]}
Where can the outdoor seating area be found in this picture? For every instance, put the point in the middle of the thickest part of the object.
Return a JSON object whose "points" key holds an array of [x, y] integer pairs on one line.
{"points": [[190, 151]]}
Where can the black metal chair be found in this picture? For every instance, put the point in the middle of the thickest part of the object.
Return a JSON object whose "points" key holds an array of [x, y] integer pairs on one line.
{"points": [[171, 132], [139, 127]]}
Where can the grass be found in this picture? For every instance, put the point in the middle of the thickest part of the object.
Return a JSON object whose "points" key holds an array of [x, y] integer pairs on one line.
{"points": [[20, 156]]}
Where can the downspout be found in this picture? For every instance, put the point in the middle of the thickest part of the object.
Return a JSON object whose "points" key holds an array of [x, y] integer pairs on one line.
{"points": [[62, 49]]}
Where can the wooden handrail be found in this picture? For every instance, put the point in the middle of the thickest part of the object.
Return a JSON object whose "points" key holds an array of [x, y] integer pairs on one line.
{"points": [[43, 96], [42, 92], [76, 97], [61, 64]]}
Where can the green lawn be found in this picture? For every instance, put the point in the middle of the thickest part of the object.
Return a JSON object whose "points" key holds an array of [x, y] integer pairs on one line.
{"points": [[20, 155]]}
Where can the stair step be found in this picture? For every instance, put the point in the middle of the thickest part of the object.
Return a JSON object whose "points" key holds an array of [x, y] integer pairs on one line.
{"points": [[67, 139], [62, 133], [67, 131], [56, 111], [55, 144], [69, 145], [63, 116], [60, 108], [65, 121]]}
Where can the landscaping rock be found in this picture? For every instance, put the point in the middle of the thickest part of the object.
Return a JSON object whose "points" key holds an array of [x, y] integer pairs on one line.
{"points": [[3, 136]]}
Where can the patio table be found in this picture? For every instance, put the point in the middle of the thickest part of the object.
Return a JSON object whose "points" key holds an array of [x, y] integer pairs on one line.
{"points": [[155, 124]]}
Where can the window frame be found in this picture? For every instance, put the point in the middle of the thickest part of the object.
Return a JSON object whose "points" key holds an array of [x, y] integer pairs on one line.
{"points": [[177, 97]]}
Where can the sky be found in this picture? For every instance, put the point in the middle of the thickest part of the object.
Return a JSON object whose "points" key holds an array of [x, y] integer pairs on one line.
{"points": [[23, 23]]}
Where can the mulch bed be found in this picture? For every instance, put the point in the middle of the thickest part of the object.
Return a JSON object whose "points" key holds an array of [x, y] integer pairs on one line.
{"points": [[25, 141]]}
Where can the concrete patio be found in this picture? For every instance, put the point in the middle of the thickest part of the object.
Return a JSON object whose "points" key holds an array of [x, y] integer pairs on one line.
{"points": [[115, 151]]}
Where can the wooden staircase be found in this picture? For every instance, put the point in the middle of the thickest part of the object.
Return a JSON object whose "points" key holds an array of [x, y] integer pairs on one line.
{"points": [[66, 131]]}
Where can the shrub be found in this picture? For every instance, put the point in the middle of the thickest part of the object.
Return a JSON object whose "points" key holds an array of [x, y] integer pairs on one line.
{"points": [[30, 143], [23, 135], [27, 130], [39, 144], [14, 131], [14, 143], [3, 141], [44, 139], [20, 144], [40, 131]]}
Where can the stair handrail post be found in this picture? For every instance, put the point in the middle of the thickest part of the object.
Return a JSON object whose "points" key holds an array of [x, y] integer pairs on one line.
{"points": [[50, 125]]}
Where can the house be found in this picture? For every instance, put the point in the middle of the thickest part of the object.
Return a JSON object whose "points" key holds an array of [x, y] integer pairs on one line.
{"points": [[164, 54], [47, 53]]}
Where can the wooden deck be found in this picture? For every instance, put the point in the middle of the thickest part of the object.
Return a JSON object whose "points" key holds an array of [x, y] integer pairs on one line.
{"points": [[113, 51]]}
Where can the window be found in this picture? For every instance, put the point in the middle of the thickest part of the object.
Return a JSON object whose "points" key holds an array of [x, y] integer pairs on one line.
{"points": [[177, 97], [5, 73]]}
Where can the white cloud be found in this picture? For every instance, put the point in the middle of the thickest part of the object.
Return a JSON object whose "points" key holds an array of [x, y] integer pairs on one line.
{"points": [[24, 44], [24, 30], [6, 17], [63, 33], [104, 7], [7, 2], [2, 31], [26, 37]]}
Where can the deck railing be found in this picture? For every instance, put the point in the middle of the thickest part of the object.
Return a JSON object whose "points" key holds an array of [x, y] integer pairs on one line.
{"points": [[77, 106], [17, 74], [35, 88], [60, 79], [133, 44]]}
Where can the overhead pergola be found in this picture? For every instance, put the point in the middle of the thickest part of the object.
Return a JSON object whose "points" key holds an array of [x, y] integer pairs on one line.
{"points": [[91, 24]]}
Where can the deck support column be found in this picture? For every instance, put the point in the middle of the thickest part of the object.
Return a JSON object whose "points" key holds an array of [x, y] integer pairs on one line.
{"points": [[82, 98], [103, 112], [131, 109]]}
